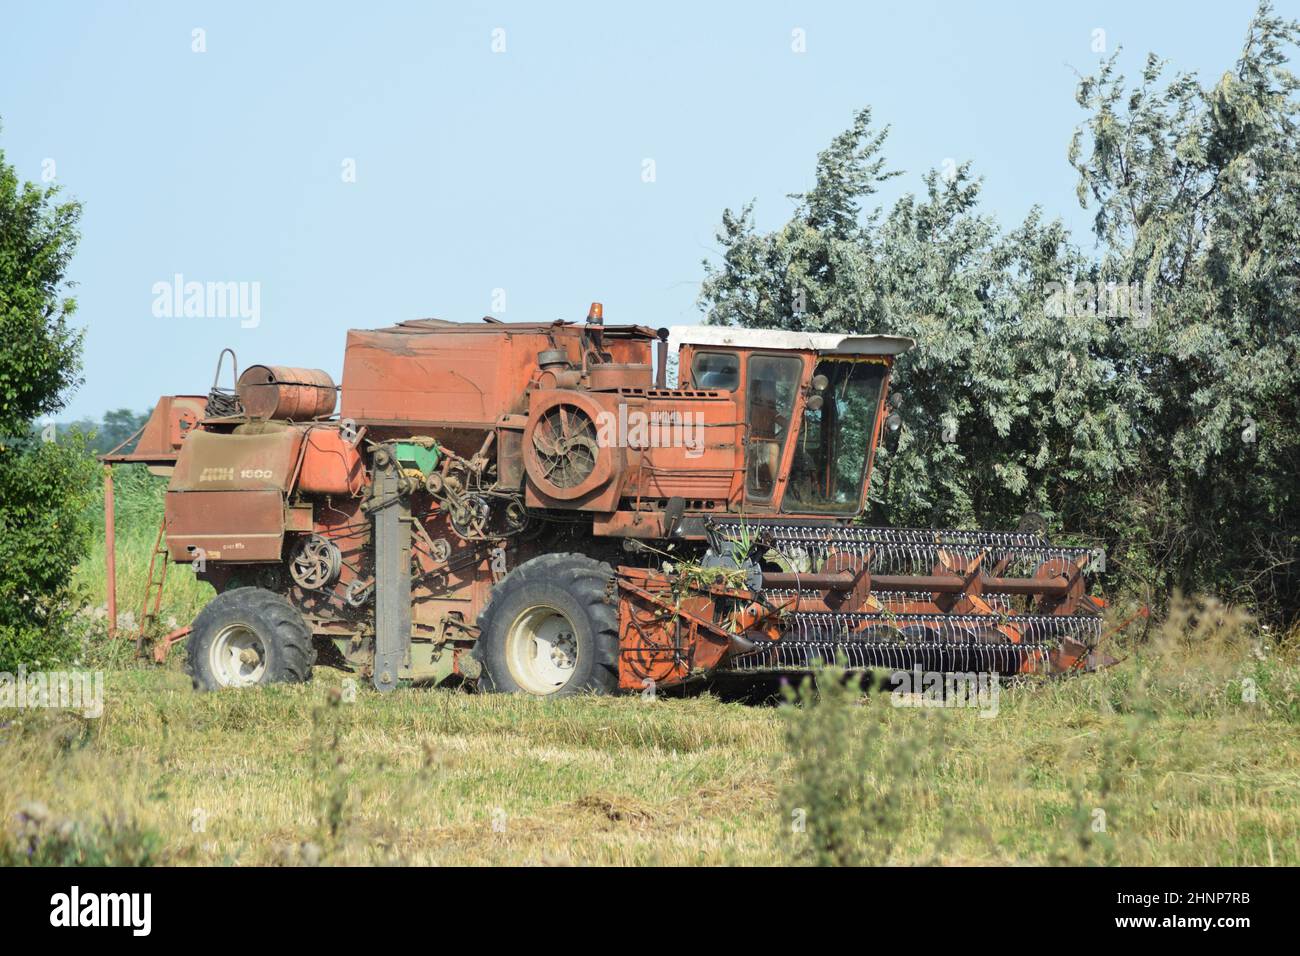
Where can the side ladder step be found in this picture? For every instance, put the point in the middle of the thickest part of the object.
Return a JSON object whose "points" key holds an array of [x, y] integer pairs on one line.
{"points": [[153, 587]]}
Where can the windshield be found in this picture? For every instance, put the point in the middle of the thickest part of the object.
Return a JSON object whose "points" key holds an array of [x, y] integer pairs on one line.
{"points": [[830, 459]]}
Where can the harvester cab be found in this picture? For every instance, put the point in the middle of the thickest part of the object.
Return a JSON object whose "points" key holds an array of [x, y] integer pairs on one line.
{"points": [[530, 508], [812, 405]]}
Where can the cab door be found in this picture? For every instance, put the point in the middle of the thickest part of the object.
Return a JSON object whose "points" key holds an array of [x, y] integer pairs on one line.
{"points": [[771, 392]]}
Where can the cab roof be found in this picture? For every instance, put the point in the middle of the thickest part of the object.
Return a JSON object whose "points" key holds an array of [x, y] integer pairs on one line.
{"points": [[824, 342], [491, 325]]}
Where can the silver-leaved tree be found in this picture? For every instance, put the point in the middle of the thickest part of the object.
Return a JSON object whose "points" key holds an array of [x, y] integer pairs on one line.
{"points": [[1145, 398]]}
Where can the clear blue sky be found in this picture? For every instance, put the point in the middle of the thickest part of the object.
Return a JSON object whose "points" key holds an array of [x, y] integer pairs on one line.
{"points": [[519, 170]]}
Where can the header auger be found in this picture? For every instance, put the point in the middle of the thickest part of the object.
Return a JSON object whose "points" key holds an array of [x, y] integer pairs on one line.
{"points": [[528, 507]]}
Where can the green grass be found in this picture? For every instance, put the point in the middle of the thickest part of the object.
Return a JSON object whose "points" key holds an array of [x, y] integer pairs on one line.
{"points": [[1184, 771], [183, 594], [1184, 753], [139, 499]]}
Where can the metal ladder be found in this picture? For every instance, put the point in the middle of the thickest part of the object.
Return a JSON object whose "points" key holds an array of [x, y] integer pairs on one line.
{"points": [[154, 586]]}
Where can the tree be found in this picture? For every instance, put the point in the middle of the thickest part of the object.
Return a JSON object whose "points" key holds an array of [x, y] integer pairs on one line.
{"points": [[1005, 409], [116, 427], [1149, 398], [45, 486], [1197, 196]]}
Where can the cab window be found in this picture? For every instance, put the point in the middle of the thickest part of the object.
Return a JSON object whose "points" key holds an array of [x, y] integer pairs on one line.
{"points": [[716, 370], [772, 386], [830, 458]]}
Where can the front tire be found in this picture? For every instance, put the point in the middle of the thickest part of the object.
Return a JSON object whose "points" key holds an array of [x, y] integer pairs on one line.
{"points": [[246, 637], [551, 629]]}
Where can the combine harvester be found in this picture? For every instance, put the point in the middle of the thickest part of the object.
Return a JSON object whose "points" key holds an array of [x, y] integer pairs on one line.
{"points": [[528, 507]]}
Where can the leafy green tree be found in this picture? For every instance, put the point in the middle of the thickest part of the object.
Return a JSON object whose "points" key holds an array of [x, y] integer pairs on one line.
{"points": [[1197, 196], [116, 426], [45, 486], [1003, 406], [1146, 398]]}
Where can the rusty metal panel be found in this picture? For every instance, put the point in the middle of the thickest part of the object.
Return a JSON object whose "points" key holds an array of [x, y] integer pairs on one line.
{"points": [[453, 378], [331, 465], [612, 375], [457, 375], [692, 448], [300, 518], [159, 442], [510, 450], [225, 525], [226, 496], [210, 461]]}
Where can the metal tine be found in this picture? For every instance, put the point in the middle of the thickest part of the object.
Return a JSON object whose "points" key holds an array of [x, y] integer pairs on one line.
{"points": [[947, 642], [1023, 546]]}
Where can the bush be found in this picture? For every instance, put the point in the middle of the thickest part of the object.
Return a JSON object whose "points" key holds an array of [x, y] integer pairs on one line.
{"points": [[46, 490], [853, 783], [40, 839], [45, 486]]}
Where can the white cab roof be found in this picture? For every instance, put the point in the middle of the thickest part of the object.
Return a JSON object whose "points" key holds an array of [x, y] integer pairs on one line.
{"points": [[728, 336]]}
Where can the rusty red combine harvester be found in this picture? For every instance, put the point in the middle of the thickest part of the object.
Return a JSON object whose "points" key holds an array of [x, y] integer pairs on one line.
{"points": [[529, 507]]}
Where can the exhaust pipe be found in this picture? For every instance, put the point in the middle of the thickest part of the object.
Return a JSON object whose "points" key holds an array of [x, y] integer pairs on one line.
{"points": [[661, 349]]}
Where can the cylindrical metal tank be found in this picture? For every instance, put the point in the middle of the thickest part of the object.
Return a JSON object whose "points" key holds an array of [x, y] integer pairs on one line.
{"points": [[278, 391]]}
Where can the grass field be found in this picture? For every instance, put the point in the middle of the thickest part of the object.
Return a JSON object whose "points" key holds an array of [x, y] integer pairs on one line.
{"points": [[1187, 752], [139, 498], [1158, 760]]}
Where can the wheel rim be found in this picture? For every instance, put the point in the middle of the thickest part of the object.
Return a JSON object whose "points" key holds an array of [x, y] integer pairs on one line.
{"points": [[542, 650], [237, 656]]}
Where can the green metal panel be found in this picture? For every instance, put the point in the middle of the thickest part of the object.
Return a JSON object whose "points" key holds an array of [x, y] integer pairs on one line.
{"points": [[412, 455]]}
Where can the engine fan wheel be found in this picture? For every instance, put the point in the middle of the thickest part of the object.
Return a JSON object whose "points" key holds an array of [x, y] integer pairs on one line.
{"points": [[565, 441], [565, 454]]}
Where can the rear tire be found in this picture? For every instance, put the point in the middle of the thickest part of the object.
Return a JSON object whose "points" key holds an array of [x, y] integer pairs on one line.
{"points": [[551, 629], [246, 637]]}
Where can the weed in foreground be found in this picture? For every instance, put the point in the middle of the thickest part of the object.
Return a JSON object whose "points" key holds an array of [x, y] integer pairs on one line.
{"points": [[38, 838], [853, 783]]}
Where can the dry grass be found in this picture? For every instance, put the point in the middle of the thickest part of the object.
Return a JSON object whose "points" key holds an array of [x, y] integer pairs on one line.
{"points": [[1184, 769]]}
